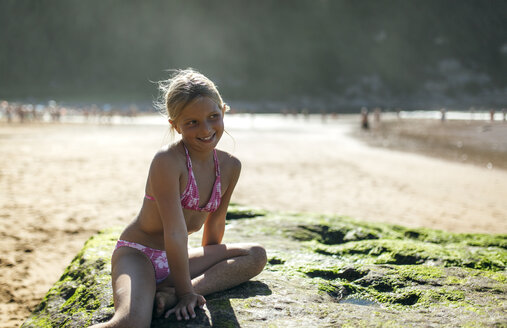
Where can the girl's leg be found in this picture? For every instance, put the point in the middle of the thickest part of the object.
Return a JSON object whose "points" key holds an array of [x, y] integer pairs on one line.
{"points": [[133, 280], [215, 268], [220, 267]]}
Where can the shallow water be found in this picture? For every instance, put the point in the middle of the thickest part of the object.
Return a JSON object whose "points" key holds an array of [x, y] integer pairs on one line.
{"points": [[359, 301]]}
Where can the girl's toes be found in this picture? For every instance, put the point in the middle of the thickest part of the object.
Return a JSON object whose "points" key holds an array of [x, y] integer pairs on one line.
{"points": [[159, 304], [163, 301]]}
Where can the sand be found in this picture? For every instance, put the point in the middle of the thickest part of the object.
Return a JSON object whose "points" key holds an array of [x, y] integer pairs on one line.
{"points": [[61, 183]]}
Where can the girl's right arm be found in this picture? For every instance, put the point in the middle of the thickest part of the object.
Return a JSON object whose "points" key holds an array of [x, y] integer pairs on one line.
{"points": [[164, 181]]}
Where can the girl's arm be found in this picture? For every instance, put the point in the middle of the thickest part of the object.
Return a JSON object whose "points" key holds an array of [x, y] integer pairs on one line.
{"points": [[214, 226], [164, 183]]}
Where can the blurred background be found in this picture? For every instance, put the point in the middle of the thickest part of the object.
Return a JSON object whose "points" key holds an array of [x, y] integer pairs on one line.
{"points": [[321, 55], [80, 76]]}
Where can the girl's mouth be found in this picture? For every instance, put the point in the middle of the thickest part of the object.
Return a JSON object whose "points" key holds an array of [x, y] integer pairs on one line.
{"points": [[208, 138]]}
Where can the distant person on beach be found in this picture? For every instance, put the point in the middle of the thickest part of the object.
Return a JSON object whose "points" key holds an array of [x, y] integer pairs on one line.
{"points": [[492, 114], [189, 186], [364, 118], [443, 111], [6, 110]]}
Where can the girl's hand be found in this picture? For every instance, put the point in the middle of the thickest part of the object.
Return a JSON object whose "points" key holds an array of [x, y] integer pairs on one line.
{"points": [[186, 305]]}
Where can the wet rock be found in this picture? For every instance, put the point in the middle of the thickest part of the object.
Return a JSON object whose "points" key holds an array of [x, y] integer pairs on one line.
{"points": [[322, 271]]}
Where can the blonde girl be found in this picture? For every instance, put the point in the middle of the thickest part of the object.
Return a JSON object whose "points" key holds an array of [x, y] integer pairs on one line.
{"points": [[189, 186]]}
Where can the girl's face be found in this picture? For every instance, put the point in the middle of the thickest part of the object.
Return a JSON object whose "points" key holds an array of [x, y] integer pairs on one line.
{"points": [[201, 124]]}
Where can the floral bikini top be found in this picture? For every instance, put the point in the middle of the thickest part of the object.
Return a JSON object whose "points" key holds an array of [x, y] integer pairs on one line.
{"points": [[190, 197]]}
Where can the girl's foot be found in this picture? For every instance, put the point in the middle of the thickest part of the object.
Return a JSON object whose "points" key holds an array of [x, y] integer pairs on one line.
{"points": [[165, 299]]}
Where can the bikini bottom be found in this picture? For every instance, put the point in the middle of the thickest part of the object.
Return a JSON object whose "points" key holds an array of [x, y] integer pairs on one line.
{"points": [[157, 257]]}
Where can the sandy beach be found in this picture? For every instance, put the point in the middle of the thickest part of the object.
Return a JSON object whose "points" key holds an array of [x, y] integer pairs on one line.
{"points": [[61, 183]]}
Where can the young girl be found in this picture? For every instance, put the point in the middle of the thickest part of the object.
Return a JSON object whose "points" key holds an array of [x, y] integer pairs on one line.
{"points": [[189, 185]]}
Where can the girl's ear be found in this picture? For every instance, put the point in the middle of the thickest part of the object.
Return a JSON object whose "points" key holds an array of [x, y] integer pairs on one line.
{"points": [[175, 126], [225, 108]]}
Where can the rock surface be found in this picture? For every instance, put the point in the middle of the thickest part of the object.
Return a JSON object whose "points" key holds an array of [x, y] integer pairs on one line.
{"points": [[322, 271]]}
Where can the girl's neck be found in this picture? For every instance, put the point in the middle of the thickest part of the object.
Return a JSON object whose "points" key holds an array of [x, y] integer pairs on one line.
{"points": [[200, 157]]}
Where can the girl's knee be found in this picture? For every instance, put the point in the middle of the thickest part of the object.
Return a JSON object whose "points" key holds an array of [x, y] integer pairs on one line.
{"points": [[259, 258], [255, 253]]}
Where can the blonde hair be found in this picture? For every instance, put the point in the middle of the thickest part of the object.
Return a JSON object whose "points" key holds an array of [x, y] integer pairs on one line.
{"points": [[182, 88]]}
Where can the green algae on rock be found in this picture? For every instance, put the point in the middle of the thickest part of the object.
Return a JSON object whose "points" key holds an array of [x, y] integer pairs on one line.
{"points": [[322, 271], [83, 294]]}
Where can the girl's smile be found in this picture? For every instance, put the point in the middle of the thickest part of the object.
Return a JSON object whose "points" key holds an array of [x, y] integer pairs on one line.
{"points": [[208, 138]]}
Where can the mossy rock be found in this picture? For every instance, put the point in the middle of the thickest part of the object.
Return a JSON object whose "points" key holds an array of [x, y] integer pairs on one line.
{"points": [[322, 271]]}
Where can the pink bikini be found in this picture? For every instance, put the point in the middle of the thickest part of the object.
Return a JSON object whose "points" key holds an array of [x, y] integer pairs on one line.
{"points": [[157, 257], [189, 200], [190, 197]]}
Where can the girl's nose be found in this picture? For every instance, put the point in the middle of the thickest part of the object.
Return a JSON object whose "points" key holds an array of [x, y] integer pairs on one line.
{"points": [[206, 127]]}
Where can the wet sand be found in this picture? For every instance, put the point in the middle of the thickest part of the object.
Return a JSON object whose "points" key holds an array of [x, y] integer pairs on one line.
{"points": [[483, 143], [61, 183]]}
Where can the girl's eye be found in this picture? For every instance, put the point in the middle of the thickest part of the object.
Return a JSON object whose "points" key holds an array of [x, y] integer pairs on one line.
{"points": [[190, 123]]}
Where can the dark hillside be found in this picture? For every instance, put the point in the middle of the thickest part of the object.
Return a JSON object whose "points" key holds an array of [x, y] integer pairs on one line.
{"points": [[331, 54]]}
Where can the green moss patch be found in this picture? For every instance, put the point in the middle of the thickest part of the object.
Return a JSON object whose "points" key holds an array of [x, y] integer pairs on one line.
{"points": [[397, 251], [83, 294]]}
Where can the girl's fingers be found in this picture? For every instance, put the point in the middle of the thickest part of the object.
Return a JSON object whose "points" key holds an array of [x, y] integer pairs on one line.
{"points": [[177, 313], [184, 313], [187, 311], [168, 313], [190, 309]]}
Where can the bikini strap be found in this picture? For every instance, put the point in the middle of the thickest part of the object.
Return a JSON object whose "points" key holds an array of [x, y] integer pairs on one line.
{"points": [[215, 158], [189, 161], [217, 167]]}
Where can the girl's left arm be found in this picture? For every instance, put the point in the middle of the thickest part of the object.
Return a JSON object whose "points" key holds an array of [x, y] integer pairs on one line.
{"points": [[214, 226]]}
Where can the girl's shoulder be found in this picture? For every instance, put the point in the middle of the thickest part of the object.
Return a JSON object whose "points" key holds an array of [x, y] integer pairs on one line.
{"points": [[228, 161], [169, 157]]}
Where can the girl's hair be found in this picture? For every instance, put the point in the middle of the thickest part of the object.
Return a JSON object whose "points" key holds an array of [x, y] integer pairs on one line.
{"points": [[182, 88]]}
